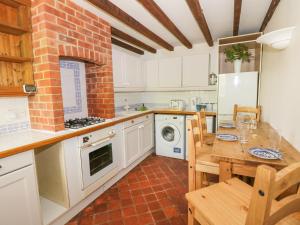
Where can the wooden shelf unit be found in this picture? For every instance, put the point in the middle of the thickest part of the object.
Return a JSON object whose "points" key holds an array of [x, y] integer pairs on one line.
{"points": [[254, 48], [16, 55]]}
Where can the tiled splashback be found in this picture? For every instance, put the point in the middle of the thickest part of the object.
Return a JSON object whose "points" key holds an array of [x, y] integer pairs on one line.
{"points": [[162, 99], [73, 83], [14, 114]]}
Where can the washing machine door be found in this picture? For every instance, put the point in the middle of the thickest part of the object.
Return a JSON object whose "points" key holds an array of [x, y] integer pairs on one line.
{"points": [[170, 134]]}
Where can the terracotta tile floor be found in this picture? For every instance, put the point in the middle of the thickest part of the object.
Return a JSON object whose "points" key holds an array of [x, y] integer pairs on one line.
{"points": [[152, 193]]}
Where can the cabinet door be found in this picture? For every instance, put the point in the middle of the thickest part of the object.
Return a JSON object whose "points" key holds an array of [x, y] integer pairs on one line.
{"points": [[132, 144], [151, 73], [195, 70], [133, 71], [147, 136], [118, 68], [19, 198], [170, 72]]}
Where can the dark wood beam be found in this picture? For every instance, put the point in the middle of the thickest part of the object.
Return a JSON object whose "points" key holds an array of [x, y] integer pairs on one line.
{"points": [[269, 14], [157, 12], [197, 12], [237, 16], [126, 46], [118, 13], [120, 34]]}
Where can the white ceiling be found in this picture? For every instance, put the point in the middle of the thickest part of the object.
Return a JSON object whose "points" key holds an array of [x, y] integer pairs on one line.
{"points": [[218, 14]]}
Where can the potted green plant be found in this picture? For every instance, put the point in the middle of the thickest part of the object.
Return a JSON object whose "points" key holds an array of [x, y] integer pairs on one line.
{"points": [[237, 54]]}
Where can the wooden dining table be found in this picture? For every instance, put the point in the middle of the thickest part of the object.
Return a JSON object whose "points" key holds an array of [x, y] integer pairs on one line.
{"points": [[234, 158]]}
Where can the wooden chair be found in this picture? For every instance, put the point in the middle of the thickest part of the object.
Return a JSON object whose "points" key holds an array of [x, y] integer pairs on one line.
{"points": [[236, 203], [206, 138], [200, 162], [249, 110]]}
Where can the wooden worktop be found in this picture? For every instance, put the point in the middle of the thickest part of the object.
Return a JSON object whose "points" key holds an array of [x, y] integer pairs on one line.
{"points": [[30, 139], [181, 112]]}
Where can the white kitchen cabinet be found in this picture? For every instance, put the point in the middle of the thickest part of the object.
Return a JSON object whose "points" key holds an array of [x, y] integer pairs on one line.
{"points": [[133, 71], [170, 72], [132, 144], [119, 75], [147, 135], [138, 137], [19, 198], [195, 70], [151, 73], [127, 72]]}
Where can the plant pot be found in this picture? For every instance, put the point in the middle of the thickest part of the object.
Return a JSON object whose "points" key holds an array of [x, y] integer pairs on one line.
{"points": [[237, 65]]}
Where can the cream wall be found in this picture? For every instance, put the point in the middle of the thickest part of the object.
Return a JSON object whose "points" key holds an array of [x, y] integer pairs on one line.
{"points": [[280, 79]]}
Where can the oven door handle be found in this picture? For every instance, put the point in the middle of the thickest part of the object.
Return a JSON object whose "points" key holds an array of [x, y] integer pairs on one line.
{"points": [[102, 140]]}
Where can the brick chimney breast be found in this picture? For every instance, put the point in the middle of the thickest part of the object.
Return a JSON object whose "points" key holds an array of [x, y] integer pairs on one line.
{"points": [[64, 29]]}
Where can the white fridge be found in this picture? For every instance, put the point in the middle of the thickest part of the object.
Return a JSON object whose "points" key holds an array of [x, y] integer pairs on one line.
{"points": [[236, 88]]}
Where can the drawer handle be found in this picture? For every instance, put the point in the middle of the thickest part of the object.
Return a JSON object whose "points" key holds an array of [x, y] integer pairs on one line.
{"points": [[132, 121], [0, 167], [147, 117]]}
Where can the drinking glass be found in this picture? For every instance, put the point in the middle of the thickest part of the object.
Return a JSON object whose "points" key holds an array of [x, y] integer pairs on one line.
{"points": [[274, 139], [244, 132], [253, 124]]}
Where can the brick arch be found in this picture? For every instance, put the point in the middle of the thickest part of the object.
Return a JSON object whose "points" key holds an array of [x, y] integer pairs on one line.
{"points": [[62, 28]]}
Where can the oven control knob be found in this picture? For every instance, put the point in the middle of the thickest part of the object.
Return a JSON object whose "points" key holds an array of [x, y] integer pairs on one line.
{"points": [[111, 132], [85, 139]]}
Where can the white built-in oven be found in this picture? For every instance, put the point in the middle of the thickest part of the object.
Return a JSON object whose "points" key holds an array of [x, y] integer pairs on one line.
{"points": [[98, 155]]}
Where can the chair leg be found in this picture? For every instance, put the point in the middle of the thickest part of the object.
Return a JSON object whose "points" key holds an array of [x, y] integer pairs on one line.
{"points": [[199, 180], [191, 220]]}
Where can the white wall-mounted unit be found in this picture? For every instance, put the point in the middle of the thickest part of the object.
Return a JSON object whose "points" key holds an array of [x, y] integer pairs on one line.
{"points": [[195, 70], [127, 73], [169, 72], [278, 39]]}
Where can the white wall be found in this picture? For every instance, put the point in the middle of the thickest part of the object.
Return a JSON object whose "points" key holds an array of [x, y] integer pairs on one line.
{"points": [[14, 114], [280, 79]]}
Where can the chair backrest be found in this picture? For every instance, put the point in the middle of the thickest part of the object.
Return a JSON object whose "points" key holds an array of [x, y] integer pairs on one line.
{"points": [[267, 187], [193, 138], [201, 116], [249, 110]]}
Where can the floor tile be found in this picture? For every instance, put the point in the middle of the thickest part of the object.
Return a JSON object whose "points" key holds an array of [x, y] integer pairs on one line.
{"points": [[151, 194]]}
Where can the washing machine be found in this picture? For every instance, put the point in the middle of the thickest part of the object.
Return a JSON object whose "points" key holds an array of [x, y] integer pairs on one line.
{"points": [[170, 135]]}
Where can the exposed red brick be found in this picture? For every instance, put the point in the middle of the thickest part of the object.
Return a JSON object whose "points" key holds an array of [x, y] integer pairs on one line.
{"points": [[62, 28]]}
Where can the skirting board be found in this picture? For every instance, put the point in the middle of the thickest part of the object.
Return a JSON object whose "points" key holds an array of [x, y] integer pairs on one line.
{"points": [[63, 219]]}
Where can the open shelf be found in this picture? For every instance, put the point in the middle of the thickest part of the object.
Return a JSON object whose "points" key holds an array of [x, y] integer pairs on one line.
{"points": [[50, 210], [9, 29], [12, 91], [15, 59]]}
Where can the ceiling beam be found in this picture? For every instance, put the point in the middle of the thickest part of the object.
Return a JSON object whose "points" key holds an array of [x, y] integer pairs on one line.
{"points": [[237, 16], [158, 13], [126, 46], [197, 12], [269, 14], [118, 13], [120, 34]]}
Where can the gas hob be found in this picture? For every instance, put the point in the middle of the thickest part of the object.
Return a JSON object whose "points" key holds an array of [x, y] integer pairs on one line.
{"points": [[83, 122]]}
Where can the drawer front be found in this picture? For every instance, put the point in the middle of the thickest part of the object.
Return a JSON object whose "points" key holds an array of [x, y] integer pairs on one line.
{"points": [[15, 162], [137, 120], [148, 117]]}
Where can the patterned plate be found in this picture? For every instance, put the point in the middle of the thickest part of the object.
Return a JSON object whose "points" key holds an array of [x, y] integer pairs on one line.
{"points": [[227, 125], [227, 137], [265, 153]]}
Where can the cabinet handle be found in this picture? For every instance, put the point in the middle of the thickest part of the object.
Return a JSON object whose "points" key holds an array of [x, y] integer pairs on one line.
{"points": [[0, 167], [132, 121]]}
